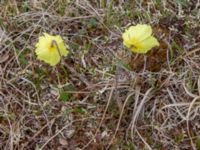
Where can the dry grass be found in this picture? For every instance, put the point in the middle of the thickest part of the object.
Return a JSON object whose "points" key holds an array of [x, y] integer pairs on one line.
{"points": [[101, 96]]}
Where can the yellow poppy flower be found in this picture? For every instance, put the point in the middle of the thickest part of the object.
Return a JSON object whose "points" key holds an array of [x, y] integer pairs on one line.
{"points": [[50, 49], [139, 38]]}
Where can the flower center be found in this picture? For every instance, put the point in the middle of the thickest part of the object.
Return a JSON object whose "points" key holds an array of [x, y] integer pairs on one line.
{"points": [[52, 48], [135, 43]]}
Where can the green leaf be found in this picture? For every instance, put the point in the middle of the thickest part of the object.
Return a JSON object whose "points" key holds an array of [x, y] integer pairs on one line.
{"points": [[198, 144], [80, 110], [64, 96], [67, 112], [182, 2], [22, 56], [92, 23]]}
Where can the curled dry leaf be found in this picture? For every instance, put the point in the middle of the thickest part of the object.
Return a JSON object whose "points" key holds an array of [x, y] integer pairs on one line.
{"points": [[4, 58]]}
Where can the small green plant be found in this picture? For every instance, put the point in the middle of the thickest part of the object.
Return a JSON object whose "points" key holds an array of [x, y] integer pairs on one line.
{"points": [[198, 144], [64, 96]]}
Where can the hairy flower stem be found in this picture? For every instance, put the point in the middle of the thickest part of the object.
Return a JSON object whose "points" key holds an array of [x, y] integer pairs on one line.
{"points": [[82, 78], [53, 42]]}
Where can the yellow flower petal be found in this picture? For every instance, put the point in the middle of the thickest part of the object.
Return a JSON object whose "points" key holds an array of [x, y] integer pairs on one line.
{"points": [[50, 49], [148, 43], [139, 39], [126, 40], [139, 32], [61, 46]]}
